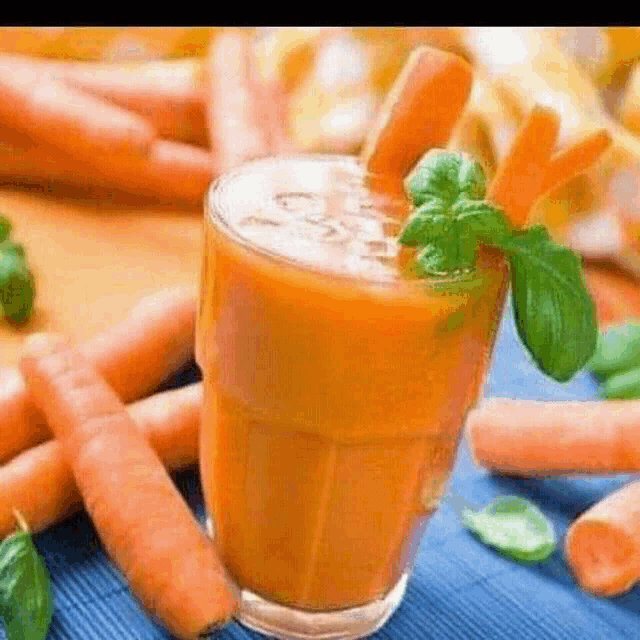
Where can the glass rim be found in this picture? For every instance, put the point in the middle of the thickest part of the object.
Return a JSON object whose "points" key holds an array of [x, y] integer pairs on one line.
{"points": [[215, 218]]}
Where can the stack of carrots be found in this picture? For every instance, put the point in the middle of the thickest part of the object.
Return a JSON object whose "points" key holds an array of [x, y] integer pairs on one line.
{"points": [[149, 129], [103, 448]]}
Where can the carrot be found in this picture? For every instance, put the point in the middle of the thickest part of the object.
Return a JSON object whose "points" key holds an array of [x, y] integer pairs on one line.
{"points": [[172, 172], [68, 119], [574, 160], [167, 93], [143, 521], [473, 135], [529, 170], [39, 482], [420, 111], [274, 104], [172, 169], [602, 546], [516, 184], [553, 438], [136, 355], [234, 109]]}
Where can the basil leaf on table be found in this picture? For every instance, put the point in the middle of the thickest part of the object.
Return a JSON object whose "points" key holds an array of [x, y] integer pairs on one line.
{"points": [[515, 527], [26, 605]]}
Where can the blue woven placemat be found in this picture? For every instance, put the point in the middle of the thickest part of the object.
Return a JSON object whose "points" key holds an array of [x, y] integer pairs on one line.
{"points": [[460, 589]]}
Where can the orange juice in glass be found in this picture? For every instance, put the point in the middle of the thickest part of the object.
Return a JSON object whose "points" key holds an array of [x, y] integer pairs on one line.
{"points": [[335, 392]]}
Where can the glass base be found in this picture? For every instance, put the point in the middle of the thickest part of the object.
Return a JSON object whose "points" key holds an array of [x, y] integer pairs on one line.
{"points": [[287, 623]]}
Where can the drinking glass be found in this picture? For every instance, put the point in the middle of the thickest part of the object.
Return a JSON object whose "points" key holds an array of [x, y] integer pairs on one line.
{"points": [[336, 384]]}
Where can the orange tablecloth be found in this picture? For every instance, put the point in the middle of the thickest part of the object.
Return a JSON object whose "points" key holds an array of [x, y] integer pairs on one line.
{"points": [[94, 258]]}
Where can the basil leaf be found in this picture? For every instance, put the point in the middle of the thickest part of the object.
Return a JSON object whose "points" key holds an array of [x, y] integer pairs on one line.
{"points": [[617, 350], [17, 287], [17, 290], [555, 316], [26, 605], [451, 235], [447, 176], [430, 221], [515, 527], [622, 385]]}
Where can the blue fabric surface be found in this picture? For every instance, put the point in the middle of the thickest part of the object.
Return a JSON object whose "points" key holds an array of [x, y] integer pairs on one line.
{"points": [[460, 589]]}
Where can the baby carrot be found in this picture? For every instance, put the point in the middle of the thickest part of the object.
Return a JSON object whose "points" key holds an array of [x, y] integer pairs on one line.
{"points": [[136, 355], [553, 438], [420, 111], [69, 119], [166, 558], [234, 108], [518, 178], [602, 546], [39, 482]]}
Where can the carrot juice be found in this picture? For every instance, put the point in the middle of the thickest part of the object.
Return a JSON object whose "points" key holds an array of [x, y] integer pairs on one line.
{"points": [[336, 388]]}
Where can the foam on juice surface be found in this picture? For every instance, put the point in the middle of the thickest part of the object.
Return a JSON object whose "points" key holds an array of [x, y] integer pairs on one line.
{"points": [[315, 211]]}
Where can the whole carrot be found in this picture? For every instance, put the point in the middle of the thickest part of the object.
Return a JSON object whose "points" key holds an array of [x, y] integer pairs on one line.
{"points": [[135, 356], [85, 126], [175, 170], [39, 483], [167, 93], [171, 171], [143, 521], [553, 438], [602, 546]]}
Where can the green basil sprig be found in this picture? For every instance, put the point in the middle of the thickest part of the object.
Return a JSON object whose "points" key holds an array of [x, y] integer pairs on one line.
{"points": [[555, 315]]}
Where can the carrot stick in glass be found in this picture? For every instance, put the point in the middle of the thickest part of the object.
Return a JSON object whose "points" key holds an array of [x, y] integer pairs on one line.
{"points": [[519, 176], [420, 111]]}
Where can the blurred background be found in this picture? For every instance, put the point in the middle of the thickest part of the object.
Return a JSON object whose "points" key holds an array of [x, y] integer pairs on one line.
{"points": [[99, 240]]}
